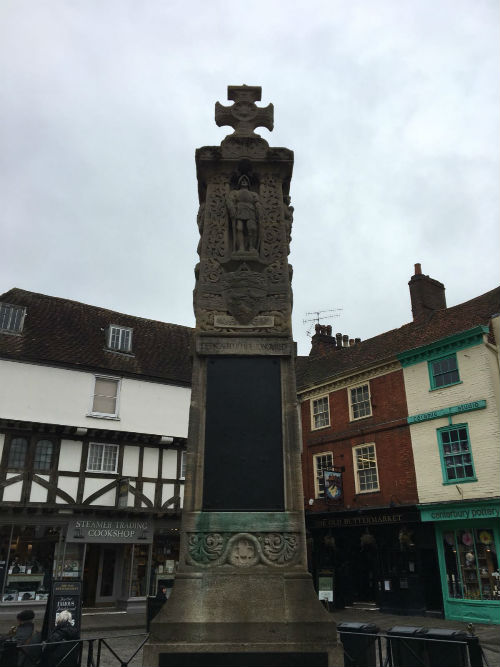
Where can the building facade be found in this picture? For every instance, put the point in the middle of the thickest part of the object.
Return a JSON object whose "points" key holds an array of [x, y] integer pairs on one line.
{"points": [[93, 423], [370, 482], [452, 388]]}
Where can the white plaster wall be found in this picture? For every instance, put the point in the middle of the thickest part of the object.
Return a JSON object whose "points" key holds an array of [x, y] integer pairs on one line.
{"points": [[167, 492], [150, 462], [38, 493], [181, 494], [70, 455], [148, 489], [477, 383], [12, 493], [93, 484], [44, 394], [2, 440], [130, 461], [169, 467], [69, 485]]}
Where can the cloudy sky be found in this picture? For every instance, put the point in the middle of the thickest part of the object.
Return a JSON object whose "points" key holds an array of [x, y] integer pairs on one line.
{"points": [[391, 107]]}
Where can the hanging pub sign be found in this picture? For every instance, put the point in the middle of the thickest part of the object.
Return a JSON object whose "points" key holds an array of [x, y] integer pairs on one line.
{"points": [[333, 484]]}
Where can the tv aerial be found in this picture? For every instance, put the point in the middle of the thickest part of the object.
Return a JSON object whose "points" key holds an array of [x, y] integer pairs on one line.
{"points": [[318, 316]]}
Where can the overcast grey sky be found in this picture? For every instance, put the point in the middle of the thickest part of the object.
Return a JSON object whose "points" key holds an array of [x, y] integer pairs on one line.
{"points": [[391, 107]]}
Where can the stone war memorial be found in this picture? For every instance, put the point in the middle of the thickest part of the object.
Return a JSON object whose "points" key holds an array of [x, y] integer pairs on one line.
{"points": [[242, 594]]}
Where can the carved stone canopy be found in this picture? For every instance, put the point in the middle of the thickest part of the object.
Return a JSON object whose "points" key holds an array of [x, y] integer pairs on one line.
{"points": [[244, 116]]}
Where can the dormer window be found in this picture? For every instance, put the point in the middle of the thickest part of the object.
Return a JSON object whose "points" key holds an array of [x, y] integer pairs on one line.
{"points": [[11, 318], [119, 338]]}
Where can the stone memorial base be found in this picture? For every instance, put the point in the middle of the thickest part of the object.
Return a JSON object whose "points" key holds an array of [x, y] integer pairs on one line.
{"points": [[242, 619]]}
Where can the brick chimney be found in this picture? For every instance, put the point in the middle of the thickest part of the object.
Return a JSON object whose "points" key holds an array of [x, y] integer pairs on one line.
{"points": [[426, 294], [323, 342]]}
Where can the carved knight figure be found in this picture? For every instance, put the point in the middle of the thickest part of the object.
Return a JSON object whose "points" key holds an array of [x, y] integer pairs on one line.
{"points": [[244, 209]]}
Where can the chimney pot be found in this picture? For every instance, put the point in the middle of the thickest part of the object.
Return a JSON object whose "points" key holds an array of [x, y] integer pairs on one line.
{"points": [[418, 269], [351, 342], [357, 340], [345, 340]]}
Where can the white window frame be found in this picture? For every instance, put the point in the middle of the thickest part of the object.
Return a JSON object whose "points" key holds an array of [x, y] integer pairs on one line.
{"points": [[358, 470], [313, 415], [351, 408], [13, 316], [121, 334], [106, 415], [103, 445], [317, 490], [183, 465]]}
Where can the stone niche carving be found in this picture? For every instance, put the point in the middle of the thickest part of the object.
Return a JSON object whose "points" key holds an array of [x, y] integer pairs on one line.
{"points": [[242, 549], [245, 214]]}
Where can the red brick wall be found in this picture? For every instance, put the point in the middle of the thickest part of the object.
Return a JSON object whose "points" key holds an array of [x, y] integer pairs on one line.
{"points": [[387, 428]]}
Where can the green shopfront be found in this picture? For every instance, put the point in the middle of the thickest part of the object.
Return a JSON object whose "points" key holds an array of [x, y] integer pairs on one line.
{"points": [[468, 543]]}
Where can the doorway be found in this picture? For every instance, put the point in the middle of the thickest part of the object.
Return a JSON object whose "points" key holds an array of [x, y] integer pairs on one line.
{"points": [[101, 575]]}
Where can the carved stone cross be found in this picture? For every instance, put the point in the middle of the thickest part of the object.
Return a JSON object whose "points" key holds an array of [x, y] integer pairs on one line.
{"points": [[244, 116]]}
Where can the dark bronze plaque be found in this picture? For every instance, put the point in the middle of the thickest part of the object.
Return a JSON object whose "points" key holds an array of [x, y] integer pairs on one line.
{"points": [[316, 659], [243, 435]]}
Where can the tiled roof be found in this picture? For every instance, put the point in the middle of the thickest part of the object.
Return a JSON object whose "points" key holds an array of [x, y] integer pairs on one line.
{"points": [[70, 333], [442, 323]]}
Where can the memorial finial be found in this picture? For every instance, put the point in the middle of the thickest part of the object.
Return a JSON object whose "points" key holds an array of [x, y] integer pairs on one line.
{"points": [[244, 116]]}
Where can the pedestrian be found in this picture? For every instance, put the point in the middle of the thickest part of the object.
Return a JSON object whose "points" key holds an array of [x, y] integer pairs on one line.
{"points": [[24, 634], [62, 654]]}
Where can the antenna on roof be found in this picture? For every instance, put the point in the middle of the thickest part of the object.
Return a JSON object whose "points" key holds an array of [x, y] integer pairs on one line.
{"points": [[320, 315]]}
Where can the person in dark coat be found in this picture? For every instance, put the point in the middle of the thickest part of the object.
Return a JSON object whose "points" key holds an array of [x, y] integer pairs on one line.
{"points": [[66, 654], [24, 634]]}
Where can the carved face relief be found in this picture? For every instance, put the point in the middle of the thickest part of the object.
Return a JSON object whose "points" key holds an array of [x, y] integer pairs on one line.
{"points": [[243, 553]]}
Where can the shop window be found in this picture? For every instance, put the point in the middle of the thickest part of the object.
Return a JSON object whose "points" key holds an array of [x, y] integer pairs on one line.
{"points": [[119, 338], [17, 453], [321, 462], [443, 372], [30, 561], [365, 469], [105, 399], [359, 402], [456, 454], [320, 412], [102, 458], [471, 564], [43, 456]]}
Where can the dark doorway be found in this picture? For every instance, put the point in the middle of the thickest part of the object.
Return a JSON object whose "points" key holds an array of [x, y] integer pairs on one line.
{"points": [[90, 573]]}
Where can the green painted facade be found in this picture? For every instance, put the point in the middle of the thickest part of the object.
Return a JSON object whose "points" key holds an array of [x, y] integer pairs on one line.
{"points": [[445, 412], [449, 518], [443, 347]]}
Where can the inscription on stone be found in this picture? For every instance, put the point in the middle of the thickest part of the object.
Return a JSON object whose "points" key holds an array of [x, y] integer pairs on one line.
{"points": [[211, 346]]}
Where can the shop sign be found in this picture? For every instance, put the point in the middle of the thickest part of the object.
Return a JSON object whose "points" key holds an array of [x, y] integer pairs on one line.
{"points": [[368, 520], [325, 588], [110, 531], [64, 596], [444, 513], [445, 412], [333, 484]]}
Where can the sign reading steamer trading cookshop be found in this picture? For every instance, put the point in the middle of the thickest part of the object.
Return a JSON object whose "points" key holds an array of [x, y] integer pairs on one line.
{"points": [[110, 530]]}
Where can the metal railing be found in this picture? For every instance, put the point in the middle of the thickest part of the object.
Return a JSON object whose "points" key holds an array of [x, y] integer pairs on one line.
{"points": [[370, 649], [88, 652]]}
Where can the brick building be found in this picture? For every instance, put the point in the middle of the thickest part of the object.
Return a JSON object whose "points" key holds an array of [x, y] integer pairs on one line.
{"points": [[368, 542]]}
